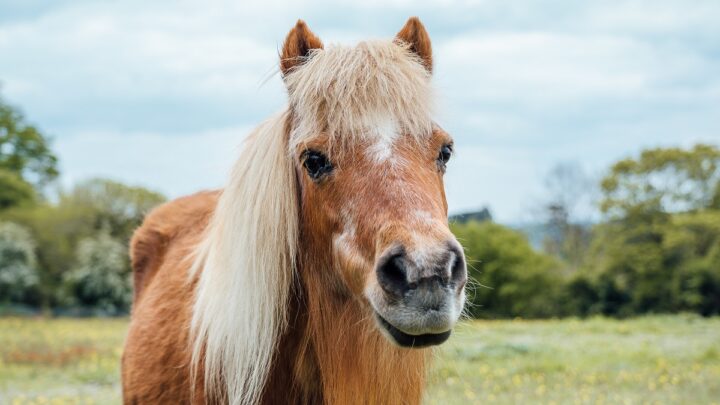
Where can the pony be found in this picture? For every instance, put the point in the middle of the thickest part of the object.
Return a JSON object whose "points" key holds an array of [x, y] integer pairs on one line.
{"points": [[325, 270]]}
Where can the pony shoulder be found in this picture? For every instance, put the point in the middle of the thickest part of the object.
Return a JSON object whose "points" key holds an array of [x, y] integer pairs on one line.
{"points": [[180, 218]]}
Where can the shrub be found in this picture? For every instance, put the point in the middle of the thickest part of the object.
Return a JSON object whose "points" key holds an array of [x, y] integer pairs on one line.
{"points": [[18, 265], [101, 279]]}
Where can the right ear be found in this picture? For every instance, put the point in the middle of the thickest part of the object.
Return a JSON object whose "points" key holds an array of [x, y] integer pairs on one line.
{"points": [[415, 35], [300, 41]]}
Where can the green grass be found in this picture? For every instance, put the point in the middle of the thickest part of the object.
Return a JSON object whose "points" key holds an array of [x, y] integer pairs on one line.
{"points": [[663, 359], [660, 359], [60, 361]]}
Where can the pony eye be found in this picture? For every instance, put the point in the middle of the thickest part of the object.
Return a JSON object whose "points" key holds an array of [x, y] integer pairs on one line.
{"points": [[444, 155], [316, 164]]}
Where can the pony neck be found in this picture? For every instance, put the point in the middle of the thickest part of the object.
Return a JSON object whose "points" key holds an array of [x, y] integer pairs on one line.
{"points": [[339, 355]]}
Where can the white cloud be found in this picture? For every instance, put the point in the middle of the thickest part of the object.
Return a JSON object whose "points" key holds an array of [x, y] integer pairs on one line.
{"points": [[175, 165], [128, 55], [654, 17], [549, 68]]}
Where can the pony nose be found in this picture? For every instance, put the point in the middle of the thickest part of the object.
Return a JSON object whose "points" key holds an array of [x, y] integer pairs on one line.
{"points": [[398, 273]]}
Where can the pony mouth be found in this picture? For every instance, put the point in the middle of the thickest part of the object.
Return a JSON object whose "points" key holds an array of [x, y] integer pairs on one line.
{"points": [[411, 341]]}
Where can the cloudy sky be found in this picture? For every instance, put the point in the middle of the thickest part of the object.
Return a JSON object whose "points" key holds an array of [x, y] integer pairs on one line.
{"points": [[161, 94]]}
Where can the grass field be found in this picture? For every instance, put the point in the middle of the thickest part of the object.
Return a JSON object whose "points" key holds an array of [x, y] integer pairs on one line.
{"points": [[662, 359]]}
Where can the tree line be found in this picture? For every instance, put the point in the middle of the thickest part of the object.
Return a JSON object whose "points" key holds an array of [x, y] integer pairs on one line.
{"points": [[655, 249]]}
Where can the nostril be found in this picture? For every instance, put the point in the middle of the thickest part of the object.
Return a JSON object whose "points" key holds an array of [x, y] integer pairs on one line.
{"points": [[392, 274], [458, 272], [395, 270]]}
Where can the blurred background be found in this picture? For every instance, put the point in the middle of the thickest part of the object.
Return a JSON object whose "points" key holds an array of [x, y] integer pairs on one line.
{"points": [[585, 187]]}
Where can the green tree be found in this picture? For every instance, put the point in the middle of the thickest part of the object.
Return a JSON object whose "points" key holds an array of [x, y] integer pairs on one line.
{"points": [[24, 153], [117, 206], [628, 269], [656, 252], [509, 278], [14, 191], [662, 180], [693, 248], [661, 266]]}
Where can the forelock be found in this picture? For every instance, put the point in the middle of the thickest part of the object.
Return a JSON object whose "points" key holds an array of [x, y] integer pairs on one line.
{"points": [[346, 92]]}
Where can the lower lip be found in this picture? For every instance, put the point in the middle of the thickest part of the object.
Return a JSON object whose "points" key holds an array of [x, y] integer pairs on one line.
{"points": [[412, 341]]}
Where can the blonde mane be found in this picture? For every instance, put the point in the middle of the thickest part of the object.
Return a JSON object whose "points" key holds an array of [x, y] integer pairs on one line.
{"points": [[246, 262]]}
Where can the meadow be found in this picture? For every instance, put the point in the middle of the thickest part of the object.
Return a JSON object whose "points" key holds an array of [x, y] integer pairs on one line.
{"points": [[653, 360]]}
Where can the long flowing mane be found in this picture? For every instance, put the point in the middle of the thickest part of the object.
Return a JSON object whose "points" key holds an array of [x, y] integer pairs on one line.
{"points": [[246, 263]]}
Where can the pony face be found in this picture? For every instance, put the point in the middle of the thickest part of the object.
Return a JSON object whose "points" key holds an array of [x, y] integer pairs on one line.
{"points": [[370, 164], [384, 207]]}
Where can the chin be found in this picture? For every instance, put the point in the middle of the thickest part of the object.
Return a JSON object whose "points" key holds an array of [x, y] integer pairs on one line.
{"points": [[407, 340]]}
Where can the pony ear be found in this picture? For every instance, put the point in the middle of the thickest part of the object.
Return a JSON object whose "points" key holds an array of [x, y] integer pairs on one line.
{"points": [[300, 41], [415, 35]]}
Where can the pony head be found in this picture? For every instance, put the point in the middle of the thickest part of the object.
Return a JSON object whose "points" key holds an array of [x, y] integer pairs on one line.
{"points": [[369, 163]]}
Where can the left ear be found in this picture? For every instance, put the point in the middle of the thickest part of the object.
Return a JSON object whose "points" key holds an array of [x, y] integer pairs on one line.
{"points": [[415, 35], [299, 43]]}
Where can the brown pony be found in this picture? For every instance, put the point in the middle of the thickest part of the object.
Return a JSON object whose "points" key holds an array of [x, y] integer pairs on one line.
{"points": [[325, 268]]}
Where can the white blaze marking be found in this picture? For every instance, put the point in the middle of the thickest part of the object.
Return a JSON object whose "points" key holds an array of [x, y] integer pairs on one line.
{"points": [[385, 134]]}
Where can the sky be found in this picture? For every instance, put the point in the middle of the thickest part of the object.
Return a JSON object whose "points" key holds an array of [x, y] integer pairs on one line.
{"points": [[161, 93]]}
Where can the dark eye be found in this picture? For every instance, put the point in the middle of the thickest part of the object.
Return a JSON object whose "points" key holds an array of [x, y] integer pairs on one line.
{"points": [[316, 164], [444, 155]]}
